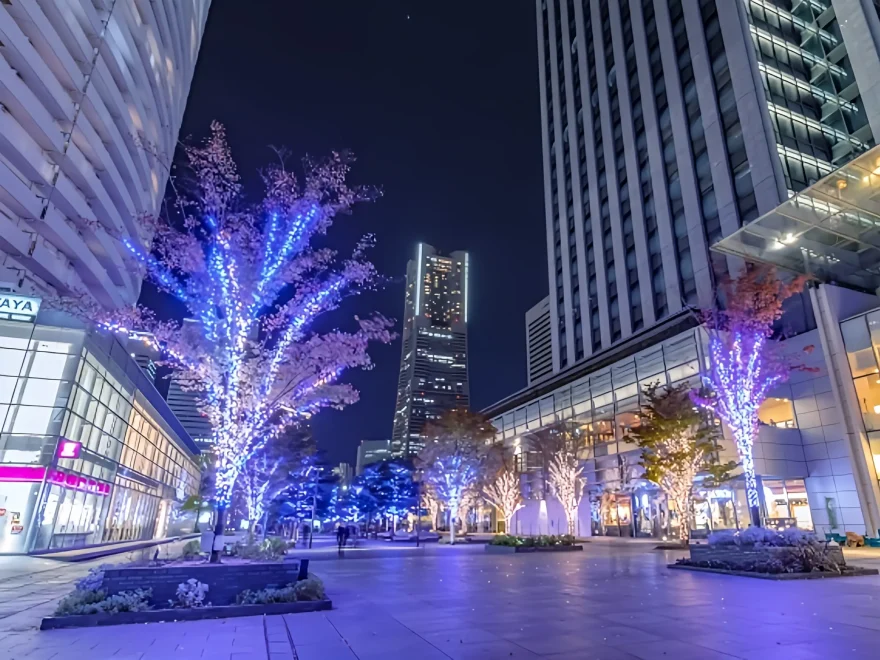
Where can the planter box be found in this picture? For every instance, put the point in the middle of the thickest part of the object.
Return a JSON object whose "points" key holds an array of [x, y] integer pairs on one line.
{"points": [[510, 549], [739, 557], [195, 614], [225, 581], [853, 571]]}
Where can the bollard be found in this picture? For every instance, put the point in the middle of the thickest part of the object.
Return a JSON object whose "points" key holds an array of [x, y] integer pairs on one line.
{"points": [[303, 570]]}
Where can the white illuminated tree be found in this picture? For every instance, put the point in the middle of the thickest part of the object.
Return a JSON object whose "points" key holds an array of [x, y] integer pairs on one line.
{"points": [[504, 493], [567, 485], [452, 461], [745, 362], [254, 285]]}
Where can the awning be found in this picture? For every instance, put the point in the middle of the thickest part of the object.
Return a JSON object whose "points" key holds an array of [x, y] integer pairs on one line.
{"points": [[830, 231]]}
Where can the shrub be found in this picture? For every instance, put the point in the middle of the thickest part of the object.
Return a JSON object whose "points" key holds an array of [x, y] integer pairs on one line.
{"points": [[312, 588], [265, 596], [192, 549], [762, 537], [724, 537], [97, 602], [271, 549], [507, 540], [190, 594], [540, 541], [94, 580]]}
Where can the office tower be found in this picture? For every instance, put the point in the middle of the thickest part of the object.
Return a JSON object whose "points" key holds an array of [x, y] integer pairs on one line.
{"points": [[185, 406], [344, 473], [93, 97], [668, 124], [539, 341], [372, 451], [433, 365]]}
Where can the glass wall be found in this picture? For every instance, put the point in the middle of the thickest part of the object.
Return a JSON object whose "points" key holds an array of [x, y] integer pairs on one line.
{"points": [[131, 471], [861, 336], [601, 408]]}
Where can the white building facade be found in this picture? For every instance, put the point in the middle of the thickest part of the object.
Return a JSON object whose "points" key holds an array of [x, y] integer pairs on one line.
{"points": [[92, 96]]}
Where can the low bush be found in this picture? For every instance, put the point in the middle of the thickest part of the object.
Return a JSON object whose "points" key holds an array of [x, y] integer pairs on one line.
{"points": [[271, 549], [94, 580], [506, 540], [266, 596], [97, 602], [190, 594], [761, 537], [191, 550], [312, 588], [540, 541]]}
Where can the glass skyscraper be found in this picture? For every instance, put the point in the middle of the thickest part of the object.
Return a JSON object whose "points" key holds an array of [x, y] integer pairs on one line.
{"points": [[433, 363]]}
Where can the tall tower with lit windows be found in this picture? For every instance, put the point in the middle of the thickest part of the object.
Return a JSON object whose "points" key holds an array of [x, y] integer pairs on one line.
{"points": [[669, 124], [433, 360]]}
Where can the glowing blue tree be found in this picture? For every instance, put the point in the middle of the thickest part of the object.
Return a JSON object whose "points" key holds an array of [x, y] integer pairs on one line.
{"points": [[745, 363], [454, 458], [254, 286]]}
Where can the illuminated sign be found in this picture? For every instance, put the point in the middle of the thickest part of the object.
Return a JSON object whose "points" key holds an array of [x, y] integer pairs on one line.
{"points": [[78, 483], [18, 308], [68, 448], [36, 473]]}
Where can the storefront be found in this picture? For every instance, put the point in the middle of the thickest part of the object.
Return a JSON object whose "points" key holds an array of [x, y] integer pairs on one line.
{"points": [[89, 452]]}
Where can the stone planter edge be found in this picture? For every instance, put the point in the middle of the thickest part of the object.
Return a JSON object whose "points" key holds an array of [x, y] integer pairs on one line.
{"points": [[194, 614], [855, 571]]}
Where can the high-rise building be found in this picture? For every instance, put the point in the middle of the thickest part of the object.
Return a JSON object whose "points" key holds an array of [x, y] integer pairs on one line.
{"points": [[371, 451], [344, 473], [185, 405], [92, 97], [539, 342], [667, 124], [433, 364], [676, 127]]}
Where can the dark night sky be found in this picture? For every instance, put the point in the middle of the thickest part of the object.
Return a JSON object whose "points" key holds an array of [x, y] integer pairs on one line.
{"points": [[439, 101]]}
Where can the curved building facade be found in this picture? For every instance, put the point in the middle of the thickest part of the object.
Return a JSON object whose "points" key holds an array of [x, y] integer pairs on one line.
{"points": [[92, 95]]}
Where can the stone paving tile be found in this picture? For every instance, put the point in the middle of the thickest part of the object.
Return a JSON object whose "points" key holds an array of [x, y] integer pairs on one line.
{"points": [[671, 648]]}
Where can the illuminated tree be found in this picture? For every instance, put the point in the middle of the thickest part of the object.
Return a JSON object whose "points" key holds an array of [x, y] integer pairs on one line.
{"points": [[567, 485], [677, 443], [504, 492], [261, 482], [455, 452], [431, 503], [254, 286], [745, 363]]}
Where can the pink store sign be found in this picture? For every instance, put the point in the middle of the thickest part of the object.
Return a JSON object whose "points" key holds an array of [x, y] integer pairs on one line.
{"points": [[36, 473]]}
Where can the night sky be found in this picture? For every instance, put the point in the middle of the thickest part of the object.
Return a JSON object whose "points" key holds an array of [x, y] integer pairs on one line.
{"points": [[439, 101]]}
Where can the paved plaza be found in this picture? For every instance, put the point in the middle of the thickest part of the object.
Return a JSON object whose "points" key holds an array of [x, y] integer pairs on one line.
{"points": [[613, 601]]}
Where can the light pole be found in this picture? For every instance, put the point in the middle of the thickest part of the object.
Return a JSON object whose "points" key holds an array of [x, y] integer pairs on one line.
{"points": [[417, 481]]}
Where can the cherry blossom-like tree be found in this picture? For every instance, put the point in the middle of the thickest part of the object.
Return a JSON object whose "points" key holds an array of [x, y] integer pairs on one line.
{"points": [[454, 455], [253, 282], [745, 362]]}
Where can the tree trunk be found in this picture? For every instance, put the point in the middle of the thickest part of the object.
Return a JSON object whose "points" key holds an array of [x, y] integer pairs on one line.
{"points": [[218, 531], [198, 515], [263, 529], [453, 517]]}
